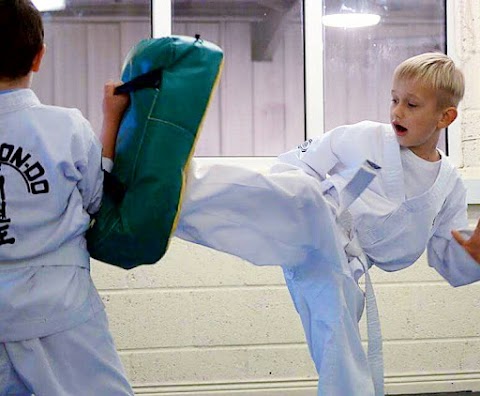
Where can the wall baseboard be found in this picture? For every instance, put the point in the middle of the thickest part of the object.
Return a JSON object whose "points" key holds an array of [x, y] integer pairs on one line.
{"points": [[433, 383], [412, 384], [278, 388]]}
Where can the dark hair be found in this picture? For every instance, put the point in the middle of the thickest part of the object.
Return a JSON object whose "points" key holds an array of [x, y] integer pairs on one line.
{"points": [[21, 37]]}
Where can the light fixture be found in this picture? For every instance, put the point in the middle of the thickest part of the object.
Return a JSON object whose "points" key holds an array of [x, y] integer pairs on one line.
{"points": [[49, 5], [349, 14]]}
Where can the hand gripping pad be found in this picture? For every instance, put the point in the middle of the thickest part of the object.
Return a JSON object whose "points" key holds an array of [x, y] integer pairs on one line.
{"points": [[170, 81]]}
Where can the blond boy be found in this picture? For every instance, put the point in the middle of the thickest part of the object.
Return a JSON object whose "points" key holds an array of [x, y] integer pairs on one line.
{"points": [[303, 216]]}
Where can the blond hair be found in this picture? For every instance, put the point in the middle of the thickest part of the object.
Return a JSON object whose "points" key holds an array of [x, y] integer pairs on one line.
{"points": [[437, 71]]}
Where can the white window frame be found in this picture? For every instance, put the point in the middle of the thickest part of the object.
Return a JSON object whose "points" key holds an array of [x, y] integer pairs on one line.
{"points": [[162, 26], [454, 135], [161, 18], [313, 10], [470, 177]]}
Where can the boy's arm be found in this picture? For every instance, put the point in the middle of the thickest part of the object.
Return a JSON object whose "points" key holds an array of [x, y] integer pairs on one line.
{"points": [[346, 145], [275, 218], [97, 158], [113, 108], [89, 164], [315, 156], [445, 253]]}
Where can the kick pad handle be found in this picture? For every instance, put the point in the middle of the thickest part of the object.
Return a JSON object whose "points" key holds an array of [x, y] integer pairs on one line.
{"points": [[151, 79]]}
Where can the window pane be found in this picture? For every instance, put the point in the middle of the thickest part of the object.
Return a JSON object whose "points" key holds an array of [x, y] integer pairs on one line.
{"points": [[258, 108], [86, 45], [359, 62]]}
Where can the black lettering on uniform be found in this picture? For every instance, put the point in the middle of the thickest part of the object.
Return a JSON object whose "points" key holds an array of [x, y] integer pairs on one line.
{"points": [[40, 187], [6, 151], [34, 172], [4, 234], [17, 158]]}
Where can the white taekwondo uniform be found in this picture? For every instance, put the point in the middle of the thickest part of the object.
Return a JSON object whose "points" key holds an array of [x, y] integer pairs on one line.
{"points": [[54, 337], [290, 217]]}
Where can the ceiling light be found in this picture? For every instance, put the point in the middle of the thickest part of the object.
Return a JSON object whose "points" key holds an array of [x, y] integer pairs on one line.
{"points": [[49, 5], [353, 20], [349, 14]]}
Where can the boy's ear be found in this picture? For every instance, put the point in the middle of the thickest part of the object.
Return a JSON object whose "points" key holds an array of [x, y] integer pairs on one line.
{"points": [[448, 116], [37, 61]]}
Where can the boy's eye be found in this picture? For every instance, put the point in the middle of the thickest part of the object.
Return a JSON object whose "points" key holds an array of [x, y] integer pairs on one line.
{"points": [[394, 100], [412, 105]]}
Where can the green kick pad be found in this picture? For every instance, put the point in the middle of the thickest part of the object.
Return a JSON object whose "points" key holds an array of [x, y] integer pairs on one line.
{"points": [[170, 81]]}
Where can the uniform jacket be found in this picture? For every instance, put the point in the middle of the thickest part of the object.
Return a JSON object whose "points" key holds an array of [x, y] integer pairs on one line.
{"points": [[50, 180], [269, 217], [393, 231]]}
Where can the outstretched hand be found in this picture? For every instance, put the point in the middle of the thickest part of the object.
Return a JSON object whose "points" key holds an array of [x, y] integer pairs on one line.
{"points": [[472, 245]]}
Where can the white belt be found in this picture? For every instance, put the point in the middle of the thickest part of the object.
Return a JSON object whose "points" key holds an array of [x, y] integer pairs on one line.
{"points": [[351, 192]]}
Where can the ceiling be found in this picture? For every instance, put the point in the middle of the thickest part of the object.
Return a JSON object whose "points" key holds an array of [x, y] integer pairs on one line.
{"points": [[245, 9]]}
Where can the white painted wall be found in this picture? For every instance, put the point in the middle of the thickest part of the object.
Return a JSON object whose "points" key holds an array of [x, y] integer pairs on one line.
{"points": [[467, 44], [204, 323]]}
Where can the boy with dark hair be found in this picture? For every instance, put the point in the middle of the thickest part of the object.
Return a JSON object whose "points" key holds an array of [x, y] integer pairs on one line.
{"points": [[54, 337]]}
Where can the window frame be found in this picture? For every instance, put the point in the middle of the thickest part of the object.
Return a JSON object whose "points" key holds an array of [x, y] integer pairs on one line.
{"points": [[314, 109], [161, 14], [454, 139], [162, 26]]}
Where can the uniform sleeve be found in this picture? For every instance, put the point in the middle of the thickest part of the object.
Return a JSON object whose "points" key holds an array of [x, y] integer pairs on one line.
{"points": [[346, 146], [89, 165], [269, 218], [315, 156], [450, 259]]}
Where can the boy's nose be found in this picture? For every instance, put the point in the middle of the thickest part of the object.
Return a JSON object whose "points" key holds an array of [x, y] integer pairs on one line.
{"points": [[397, 112]]}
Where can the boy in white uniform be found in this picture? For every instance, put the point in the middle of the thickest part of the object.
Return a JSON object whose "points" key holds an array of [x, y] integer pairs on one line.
{"points": [[303, 215], [54, 337]]}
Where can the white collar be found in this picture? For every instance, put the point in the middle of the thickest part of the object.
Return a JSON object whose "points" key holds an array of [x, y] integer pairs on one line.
{"points": [[17, 100], [394, 182]]}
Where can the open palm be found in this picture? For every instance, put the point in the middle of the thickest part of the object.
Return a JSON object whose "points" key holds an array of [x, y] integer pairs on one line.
{"points": [[471, 245]]}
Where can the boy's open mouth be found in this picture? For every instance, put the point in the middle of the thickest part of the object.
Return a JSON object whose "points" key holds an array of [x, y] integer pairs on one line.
{"points": [[401, 130]]}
